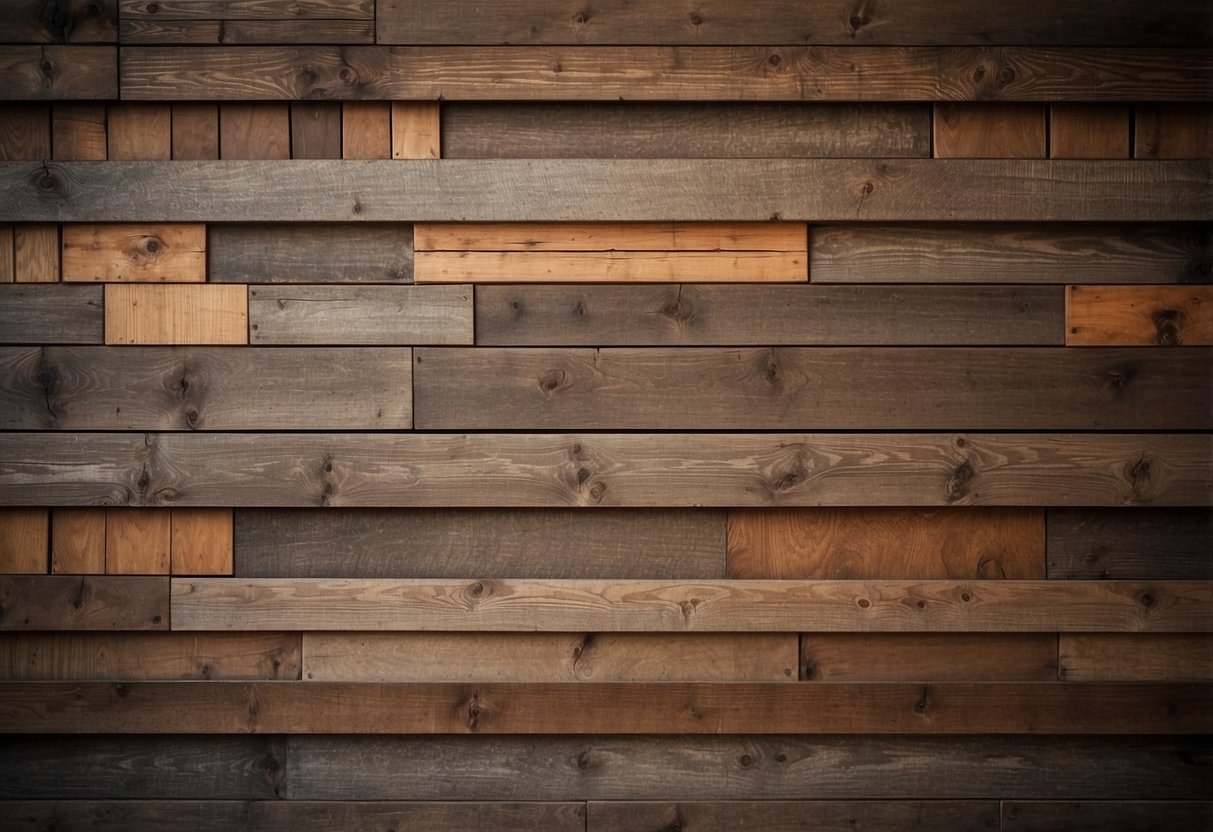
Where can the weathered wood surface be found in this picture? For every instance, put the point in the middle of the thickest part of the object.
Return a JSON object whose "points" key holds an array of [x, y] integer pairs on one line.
{"points": [[483, 543], [229, 32], [157, 252], [175, 313], [533, 130], [1166, 316], [606, 708], [780, 816], [1089, 131], [598, 236], [1129, 657], [989, 131], [1118, 23], [929, 657], [64, 21], [78, 131], [59, 73], [366, 130], [316, 130], [289, 253], [656, 73], [322, 10], [1106, 816], [25, 132], [1088, 544], [69, 602], [254, 131], [636, 470], [737, 315], [611, 267], [360, 315], [139, 131], [196, 388], [1011, 254], [195, 131], [36, 253], [32, 313], [503, 190], [698, 606], [813, 388]]}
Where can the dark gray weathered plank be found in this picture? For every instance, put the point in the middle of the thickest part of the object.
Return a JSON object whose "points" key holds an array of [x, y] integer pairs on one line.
{"points": [[37, 313], [794, 816], [277, 253], [360, 315], [83, 602], [58, 73], [1159, 544], [59, 21], [1106, 816]]}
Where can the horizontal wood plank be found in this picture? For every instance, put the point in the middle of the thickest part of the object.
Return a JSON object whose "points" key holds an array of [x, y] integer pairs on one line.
{"points": [[1093, 544], [34, 313], [228, 32], [70, 602], [1131, 657], [176, 313], [989, 131], [610, 267], [249, 9], [1167, 316], [610, 237], [164, 252], [68, 21], [781, 816], [1105, 815], [59, 73], [301, 253], [1089, 131], [360, 315], [929, 657]]}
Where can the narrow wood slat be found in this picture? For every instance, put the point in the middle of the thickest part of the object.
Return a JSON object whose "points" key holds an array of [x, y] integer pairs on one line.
{"points": [[637, 470], [827, 388], [25, 132], [929, 657], [32, 313], [6, 267], [873, 543], [610, 708], [610, 237], [989, 131], [366, 130], [655, 73], [140, 131], [416, 130], [1106, 815], [36, 253], [1168, 316], [1163, 544], [69, 602], [78, 541], [164, 252], [59, 73], [549, 657], [67, 21], [610, 267], [230, 32], [1089, 131], [1125, 657], [201, 541], [137, 541], [24, 541], [254, 131], [250, 9], [195, 131], [160, 388], [315, 130], [143, 313], [741, 190], [786, 816], [700, 606], [361, 315], [78, 132], [329, 253], [128, 656], [1181, 131]]}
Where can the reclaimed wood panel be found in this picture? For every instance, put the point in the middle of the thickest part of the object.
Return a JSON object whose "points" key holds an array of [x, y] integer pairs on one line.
{"points": [[202, 541], [1089, 131], [70, 602], [700, 606], [1182, 131], [66, 21], [360, 315], [1130, 657], [250, 9], [928, 657], [366, 130], [1165, 316], [1106, 815], [1011, 254], [416, 130], [78, 541], [59, 73], [25, 132], [160, 388], [195, 131], [634, 470], [32, 313], [78, 132], [144, 313], [164, 252], [140, 131], [989, 131], [600, 237], [782, 816], [610, 267], [230, 32], [481, 543], [549, 657], [723, 190], [254, 131], [129, 656], [36, 253], [24, 541], [138, 541], [834, 388], [315, 130], [632, 130], [293, 253], [1086, 544]]}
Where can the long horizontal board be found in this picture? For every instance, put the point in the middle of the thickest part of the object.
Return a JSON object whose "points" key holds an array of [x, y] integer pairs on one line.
{"points": [[611, 267], [229, 32], [611, 237], [58, 73], [34, 313], [83, 602], [813, 388], [793, 816], [1106, 815], [699, 606], [704, 73], [195, 388], [1164, 544], [725, 190], [360, 315], [552, 470], [72, 21], [299, 253], [1135, 657]]}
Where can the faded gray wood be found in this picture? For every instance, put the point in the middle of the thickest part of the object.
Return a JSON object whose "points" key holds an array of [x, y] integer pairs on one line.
{"points": [[204, 388], [507, 190], [746, 768], [741, 315], [794, 816], [532, 130], [36, 313], [1106, 816], [634, 470], [245, 32], [58, 73], [276, 253], [360, 315], [812, 388], [489, 543], [84, 602], [1163, 544], [1114, 23], [664, 73], [1011, 253], [59, 21]]}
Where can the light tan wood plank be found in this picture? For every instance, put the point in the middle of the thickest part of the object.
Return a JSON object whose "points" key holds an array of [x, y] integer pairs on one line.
{"points": [[140, 131], [989, 131], [202, 541], [1168, 316], [36, 253], [254, 131], [78, 541], [608, 236], [928, 657], [1089, 131], [79, 132], [1131, 657], [24, 541], [163, 252], [416, 130], [549, 657], [25, 132], [137, 541], [609, 267], [366, 130], [195, 131], [1174, 131], [142, 313]]}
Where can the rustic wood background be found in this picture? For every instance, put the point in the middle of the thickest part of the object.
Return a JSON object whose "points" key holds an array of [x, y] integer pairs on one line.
{"points": [[779, 415]]}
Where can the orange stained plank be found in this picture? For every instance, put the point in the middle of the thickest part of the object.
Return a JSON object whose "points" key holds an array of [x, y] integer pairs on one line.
{"points": [[162, 252], [140, 131], [989, 131], [202, 541], [204, 313], [78, 541], [36, 252], [1167, 316], [366, 130], [1089, 131], [609, 266], [79, 132], [24, 540], [601, 236], [254, 131], [416, 130], [137, 541]]}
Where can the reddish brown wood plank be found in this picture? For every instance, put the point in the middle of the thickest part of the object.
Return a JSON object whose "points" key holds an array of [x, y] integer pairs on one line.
{"points": [[1136, 657], [254, 131], [140, 131], [78, 541], [929, 657], [79, 132], [195, 131], [1174, 131], [1089, 131], [989, 131], [24, 540]]}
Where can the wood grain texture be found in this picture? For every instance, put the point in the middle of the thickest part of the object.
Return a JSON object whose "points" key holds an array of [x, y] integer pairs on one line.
{"points": [[610, 267], [195, 131], [989, 131], [655, 73], [1106, 816], [202, 541], [1011, 254], [610, 237], [1089, 131], [66, 21], [69, 602], [481, 543], [164, 252], [366, 130], [6, 258], [181, 313], [254, 131], [361, 315], [78, 541], [1183, 131], [1166, 316], [163, 388], [416, 130], [140, 131], [606, 708], [24, 541], [36, 253], [874, 543], [59, 73], [330, 253], [1127, 657], [730, 190], [549, 657], [739, 315], [32, 313], [130, 656], [249, 9], [928, 657], [611, 130], [25, 132], [138, 541], [780, 816], [827, 388], [633, 470], [315, 130], [1089, 544], [230, 32], [78, 132], [699, 606]]}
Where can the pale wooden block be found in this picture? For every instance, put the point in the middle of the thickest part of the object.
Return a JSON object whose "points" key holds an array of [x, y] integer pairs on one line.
{"points": [[204, 313], [137, 541], [24, 538], [416, 131], [78, 541], [161, 252], [202, 541]]}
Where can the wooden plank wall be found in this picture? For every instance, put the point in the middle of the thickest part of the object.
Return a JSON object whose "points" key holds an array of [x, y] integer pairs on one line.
{"points": [[533, 415]]}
